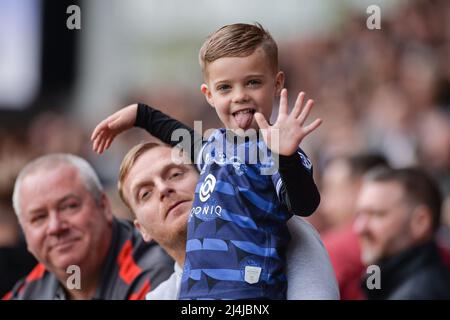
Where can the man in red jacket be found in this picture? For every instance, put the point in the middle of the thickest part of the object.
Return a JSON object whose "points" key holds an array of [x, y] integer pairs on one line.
{"points": [[341, 183]]}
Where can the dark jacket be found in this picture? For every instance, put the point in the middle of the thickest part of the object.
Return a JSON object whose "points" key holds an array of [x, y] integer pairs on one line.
{"points": [[415, 274], [15, 263]]}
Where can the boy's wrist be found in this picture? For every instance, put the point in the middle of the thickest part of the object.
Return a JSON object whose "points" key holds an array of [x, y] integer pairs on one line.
{"points": [[288, 161], [141, 115]]}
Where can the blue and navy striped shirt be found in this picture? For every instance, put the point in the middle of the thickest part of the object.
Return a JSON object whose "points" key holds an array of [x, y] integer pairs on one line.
{"points": [[237, 231]]}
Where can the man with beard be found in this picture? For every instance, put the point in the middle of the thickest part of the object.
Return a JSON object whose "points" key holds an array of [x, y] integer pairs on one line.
{"points": [[398, 213]]}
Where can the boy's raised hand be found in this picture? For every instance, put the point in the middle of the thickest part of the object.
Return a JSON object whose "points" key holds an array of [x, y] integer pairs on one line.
{"points": [[285, 135], [105, 132]]}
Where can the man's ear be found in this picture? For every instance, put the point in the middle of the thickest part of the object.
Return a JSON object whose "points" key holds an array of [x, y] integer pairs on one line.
{"points": [[145, 235], [207, 93], [421, 223], [279, 83]]}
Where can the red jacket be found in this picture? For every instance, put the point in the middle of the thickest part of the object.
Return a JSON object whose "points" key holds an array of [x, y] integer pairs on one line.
{"points": [[344, 250]]}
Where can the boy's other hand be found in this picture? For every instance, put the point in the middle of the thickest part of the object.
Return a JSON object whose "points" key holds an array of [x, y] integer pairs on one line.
{"points": [[285, 135], [105, 132]]}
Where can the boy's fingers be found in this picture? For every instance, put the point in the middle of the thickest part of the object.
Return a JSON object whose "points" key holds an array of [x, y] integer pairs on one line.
{"points": [[97, 140], [108, 142], [95, 132], [101, 147], [298, 105], [313, 126], [283, 102], [102, 125], [304, 114], [95, 145], [261, 121]]}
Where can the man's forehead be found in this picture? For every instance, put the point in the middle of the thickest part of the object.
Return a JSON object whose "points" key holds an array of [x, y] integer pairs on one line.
{"points": [[381, 193], [51, 175], [49, 185], [154, 159], [391, 187], [153, 163]]}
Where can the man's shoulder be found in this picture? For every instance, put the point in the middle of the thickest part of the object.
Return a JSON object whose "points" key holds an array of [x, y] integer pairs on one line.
{"points": [[430, 282], [133, 246], [134, 264], [39, 284], [167, 290]]}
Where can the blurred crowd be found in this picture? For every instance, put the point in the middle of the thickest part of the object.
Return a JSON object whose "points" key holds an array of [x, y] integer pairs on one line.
{"points": [[384, 92]]}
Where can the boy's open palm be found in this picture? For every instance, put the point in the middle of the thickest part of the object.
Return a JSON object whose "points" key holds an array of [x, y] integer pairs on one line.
{"points": [[105, 132], [285, 135]]}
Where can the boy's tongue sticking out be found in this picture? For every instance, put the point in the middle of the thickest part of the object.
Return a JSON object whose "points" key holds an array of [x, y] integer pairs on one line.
{"points": [[244, 118]]}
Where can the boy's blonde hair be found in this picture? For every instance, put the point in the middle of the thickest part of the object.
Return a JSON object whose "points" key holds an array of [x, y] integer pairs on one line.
{"points": [[128, 162], [238, 40]]}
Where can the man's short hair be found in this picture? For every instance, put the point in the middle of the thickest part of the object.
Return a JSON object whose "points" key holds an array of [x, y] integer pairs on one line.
{"points": [[238, 40], [128, 162], [418, 186], [50, 161], [360, 163]]}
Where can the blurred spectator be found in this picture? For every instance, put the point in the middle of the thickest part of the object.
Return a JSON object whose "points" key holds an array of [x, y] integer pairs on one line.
{"points": [[434, 151], [67, 221], [434, 142], [52, 132], [341, 182], [389, 125], [398, 214], [15, 260]]}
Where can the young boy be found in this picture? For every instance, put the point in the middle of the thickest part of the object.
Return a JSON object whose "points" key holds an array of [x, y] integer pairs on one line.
{"points": [[237, 231]]}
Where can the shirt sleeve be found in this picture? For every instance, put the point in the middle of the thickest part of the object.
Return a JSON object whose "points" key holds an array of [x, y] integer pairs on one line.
{"points": [[295, 185], [168, 130]]}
